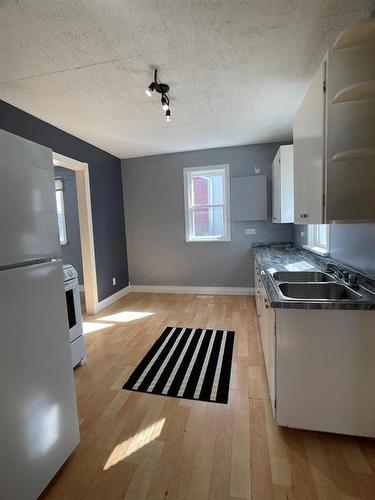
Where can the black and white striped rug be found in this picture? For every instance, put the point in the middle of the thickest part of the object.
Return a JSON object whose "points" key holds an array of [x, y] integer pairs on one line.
{"points": [[190, 363]]}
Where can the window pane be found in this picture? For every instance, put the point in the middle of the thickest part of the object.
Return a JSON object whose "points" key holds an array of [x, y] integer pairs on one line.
{"points": [[323, 235], [59, 202], [208, 222], [208, 189], [61, 216]]}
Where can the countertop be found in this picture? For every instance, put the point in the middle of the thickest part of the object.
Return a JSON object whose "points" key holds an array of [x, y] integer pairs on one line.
{"points": [[285, 257]]}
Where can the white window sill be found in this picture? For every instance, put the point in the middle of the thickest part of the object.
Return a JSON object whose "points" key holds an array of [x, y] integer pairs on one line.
{"points": [[319, 250], [207, 240]]}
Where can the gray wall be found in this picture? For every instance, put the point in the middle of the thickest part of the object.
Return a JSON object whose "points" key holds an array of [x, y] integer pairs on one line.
{"points": [[155, 222], [71, 252], [351, 244]]}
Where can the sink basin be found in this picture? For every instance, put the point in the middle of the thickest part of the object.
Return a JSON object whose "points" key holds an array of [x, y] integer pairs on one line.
{"points": [[302, 276], [318, 291]]}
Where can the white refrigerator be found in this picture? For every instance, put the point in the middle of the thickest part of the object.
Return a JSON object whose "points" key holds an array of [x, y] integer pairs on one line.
{"points": [[38, 412]]}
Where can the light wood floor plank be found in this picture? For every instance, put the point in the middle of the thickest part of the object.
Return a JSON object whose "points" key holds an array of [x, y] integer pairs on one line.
{"points": [[137, 446]]}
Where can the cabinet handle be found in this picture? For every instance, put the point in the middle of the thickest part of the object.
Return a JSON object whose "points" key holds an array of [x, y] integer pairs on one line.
{"points": [[304, 216]]}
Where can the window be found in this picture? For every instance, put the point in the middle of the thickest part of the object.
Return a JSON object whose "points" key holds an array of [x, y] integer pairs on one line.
{"points": [[59, 188], [318, 238], [207, 203]]}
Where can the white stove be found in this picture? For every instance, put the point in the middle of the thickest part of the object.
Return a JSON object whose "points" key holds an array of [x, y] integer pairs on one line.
{"points": [[69, 272], [73, 305]]}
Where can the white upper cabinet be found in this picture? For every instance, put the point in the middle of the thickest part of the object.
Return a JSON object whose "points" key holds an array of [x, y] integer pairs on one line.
{"points": [[333, 135], [282, 185], [308, 138]]}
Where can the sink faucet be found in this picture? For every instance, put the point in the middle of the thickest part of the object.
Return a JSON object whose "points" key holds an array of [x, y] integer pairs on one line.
{"points": [[348, 277], [335, 270]]}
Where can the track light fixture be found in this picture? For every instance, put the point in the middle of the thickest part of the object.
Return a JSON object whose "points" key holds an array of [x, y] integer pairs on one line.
{"points": [[163, 89], [165, 102], [150, 89]]}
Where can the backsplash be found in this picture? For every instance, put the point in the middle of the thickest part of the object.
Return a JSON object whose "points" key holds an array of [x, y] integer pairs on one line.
{"points": [[351, 244]]}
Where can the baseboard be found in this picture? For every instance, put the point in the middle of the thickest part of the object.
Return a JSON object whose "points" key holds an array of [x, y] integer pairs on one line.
{"points": [[112, 298], [195, 290]]}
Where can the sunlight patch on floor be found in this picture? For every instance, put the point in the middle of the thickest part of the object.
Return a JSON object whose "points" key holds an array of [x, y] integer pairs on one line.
{"points": [[90, 326], [135, 443], [125, 316]]}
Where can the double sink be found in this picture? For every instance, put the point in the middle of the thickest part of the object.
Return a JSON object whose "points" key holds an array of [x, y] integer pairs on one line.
{"points": [[314, 285]]}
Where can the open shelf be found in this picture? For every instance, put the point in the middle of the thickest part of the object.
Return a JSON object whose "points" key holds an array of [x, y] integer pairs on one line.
{"points": [[356, 92], [360, 34], [352, 154]]}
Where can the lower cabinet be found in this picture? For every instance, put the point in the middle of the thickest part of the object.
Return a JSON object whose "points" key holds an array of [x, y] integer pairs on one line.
{"points": [[258, 285], [268, 329], [267, 332], [320, 368]]}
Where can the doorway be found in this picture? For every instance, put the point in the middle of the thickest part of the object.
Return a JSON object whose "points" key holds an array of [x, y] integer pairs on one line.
{"points": [[81, 171]]}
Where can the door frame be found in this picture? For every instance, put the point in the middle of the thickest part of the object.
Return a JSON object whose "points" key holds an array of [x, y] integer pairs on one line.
{"points": [[81, 170]]}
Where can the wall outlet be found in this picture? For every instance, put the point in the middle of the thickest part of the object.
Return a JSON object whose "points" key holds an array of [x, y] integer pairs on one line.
{"points": [[302, 234], [257, 169], [250, 231], [113, 281]]}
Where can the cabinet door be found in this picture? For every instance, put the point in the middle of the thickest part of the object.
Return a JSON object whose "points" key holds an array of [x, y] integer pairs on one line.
{"points": [[270, 349], [308, 138], [249, 198], [287, 186], [257, 284], [276, 189], [268, 338], [262, 317]]}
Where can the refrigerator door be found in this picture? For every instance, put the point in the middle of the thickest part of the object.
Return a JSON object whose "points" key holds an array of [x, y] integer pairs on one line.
{"points": [[38, 417], [28, 214]]}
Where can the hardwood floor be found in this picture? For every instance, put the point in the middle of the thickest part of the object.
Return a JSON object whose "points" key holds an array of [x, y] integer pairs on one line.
{"points": [[137, 446]]}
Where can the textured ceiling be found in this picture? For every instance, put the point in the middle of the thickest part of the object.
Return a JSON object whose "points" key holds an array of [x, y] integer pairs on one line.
{"points": [[237, 69]]}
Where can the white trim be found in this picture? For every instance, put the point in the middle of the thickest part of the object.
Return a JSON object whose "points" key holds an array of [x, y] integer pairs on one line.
{"points": [[194, 290], [85, 227], [112, 298], [318, 250], [187, 171], [67, 162], [313, 242]]}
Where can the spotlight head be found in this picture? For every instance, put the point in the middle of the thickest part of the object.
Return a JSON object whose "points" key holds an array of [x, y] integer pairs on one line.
{"points": [[164, 102], [168, 115], [150, 89]]}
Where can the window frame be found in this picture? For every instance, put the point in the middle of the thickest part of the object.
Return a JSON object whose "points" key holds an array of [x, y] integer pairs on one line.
{"points": [[189, 172], [313, 243], [60, 191]]}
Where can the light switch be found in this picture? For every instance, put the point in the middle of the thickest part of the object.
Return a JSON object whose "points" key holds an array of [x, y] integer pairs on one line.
{"points": [[113, 281]]}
